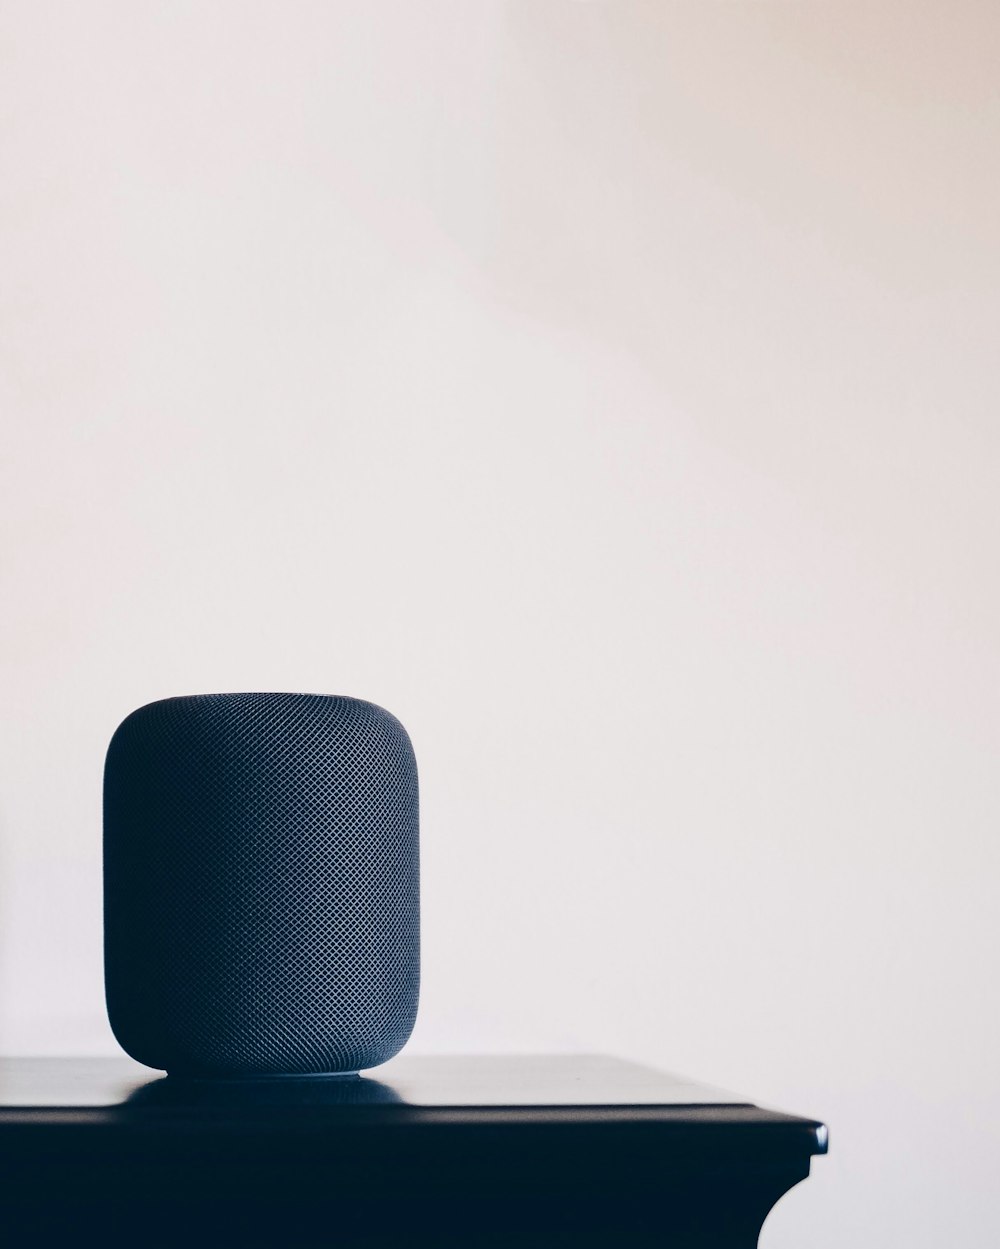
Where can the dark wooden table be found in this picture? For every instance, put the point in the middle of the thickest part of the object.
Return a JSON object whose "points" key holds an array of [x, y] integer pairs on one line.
{"points": [[437, 1151]]}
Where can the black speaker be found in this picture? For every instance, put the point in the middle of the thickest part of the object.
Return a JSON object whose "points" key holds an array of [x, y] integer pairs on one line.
{"points": [[261, 900]]}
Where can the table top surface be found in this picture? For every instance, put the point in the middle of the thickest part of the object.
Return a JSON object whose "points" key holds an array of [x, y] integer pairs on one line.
{"points": [[457, 1151], [462, 1089], [420, 1080]]}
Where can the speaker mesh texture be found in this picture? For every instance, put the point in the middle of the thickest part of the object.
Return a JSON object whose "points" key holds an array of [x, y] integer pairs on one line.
{"points": [[261, 884]]}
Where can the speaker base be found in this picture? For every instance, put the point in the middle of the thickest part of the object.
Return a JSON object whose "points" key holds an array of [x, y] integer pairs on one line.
{"points": [[336, 1088], [267, 1077]]}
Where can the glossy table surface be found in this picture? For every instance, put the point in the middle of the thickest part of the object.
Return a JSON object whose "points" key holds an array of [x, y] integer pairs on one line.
{"points": [[421, 1080], [437, 1149]]}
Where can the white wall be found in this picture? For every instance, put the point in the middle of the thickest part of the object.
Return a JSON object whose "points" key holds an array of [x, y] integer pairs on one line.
{"points": [[610, 390]]}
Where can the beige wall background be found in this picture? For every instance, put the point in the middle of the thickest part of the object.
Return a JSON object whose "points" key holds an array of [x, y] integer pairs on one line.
{"points": [[610, 390]]}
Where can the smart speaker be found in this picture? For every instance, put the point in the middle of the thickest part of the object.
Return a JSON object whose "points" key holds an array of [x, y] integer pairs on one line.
{"points": [[261, 895]]}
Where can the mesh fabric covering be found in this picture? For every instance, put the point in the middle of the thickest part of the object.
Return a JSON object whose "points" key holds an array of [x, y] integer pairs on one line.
{"points": [[261, 884]]}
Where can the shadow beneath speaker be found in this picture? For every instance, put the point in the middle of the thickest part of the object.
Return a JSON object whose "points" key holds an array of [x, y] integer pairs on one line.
{"points": [[299, 1091]]}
